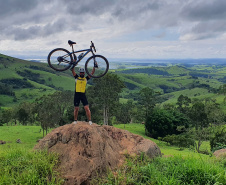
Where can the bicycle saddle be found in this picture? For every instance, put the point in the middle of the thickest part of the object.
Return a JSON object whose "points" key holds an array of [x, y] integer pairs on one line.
{"points": [[71, 42]]}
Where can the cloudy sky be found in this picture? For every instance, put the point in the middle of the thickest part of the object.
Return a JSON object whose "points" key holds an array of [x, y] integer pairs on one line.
{"points": [[154, 29]]}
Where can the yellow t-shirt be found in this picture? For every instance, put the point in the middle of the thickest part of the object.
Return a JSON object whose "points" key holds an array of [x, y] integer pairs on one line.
{"points": [[80, 83]]}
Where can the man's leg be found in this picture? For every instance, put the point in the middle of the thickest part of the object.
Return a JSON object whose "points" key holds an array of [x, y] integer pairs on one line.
{"points": [[88, 113], [76, 104], [76, 113]]}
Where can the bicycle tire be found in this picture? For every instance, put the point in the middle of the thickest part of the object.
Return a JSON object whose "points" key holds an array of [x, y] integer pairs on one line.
{"points": [[103, 66], [54, 60]]}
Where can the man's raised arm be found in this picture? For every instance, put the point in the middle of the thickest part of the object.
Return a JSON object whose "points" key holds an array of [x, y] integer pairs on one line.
{"points": [[93, 71], [73, 71]]}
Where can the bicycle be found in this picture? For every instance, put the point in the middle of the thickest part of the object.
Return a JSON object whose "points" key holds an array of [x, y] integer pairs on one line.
{"points": [[61, 59]]}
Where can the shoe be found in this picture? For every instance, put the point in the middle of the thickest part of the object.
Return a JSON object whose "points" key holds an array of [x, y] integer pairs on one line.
{"points": [[90, 122], [74, 122]]}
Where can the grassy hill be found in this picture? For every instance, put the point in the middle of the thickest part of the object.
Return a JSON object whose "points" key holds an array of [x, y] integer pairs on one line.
{"points": [[22, 80], [198, 82]]}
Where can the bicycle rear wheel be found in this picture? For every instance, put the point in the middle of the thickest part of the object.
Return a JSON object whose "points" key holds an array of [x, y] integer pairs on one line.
{"points": [[102, 64], [60, 59]]}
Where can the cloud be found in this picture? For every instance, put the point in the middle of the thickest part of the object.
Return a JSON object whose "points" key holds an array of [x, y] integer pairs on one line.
{"points": [[203, 10], [11, 7], [107, 21], [208, 18], [35, 19]]}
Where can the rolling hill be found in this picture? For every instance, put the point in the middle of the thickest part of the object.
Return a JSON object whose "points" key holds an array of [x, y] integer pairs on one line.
{"points": [[22, 80]]}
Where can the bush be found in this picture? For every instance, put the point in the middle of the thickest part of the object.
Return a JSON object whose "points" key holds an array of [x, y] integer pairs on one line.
{"points": [[182, 140], [163, 122], [171, 170], [218, 141]]}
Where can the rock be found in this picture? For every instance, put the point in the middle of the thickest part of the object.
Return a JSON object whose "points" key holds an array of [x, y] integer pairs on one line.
{"points": [[2, 142], [85, 150], [38, 140], [220, 153]]}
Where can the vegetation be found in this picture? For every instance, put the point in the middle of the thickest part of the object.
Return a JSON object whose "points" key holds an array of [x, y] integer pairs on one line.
{"points": [[19, 166], [218, 141], [165, 122], [172, 170], [181, 108]]}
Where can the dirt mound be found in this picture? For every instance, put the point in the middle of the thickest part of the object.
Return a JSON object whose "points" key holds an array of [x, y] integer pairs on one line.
{"points": [[86, 150], [220, 153]]}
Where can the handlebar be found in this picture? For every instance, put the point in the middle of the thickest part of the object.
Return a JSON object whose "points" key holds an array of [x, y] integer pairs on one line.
{"points": [[92, 46]]}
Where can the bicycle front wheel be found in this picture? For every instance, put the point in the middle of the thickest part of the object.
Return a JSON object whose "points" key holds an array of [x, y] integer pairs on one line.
{"points": [[60, 59], [101, 66]]}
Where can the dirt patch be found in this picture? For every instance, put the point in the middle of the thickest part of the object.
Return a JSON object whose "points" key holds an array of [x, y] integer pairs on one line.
{"points": [[220, 153], [86, 150], [2, 142]]}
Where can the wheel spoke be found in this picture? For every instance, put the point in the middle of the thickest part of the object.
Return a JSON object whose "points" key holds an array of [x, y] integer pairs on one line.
{"points": [[59, 59], [101, 66]]}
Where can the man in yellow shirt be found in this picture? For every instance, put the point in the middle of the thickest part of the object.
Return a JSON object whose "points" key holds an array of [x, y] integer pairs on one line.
{"points": [[80, 88]]}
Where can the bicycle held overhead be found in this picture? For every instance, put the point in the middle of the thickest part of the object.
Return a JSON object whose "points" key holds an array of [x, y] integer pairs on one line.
{"points": [[61, 59]]}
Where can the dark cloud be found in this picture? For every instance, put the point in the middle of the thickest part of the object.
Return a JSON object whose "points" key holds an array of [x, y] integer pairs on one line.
{"points": [[130, 9], [208, 18], [91, 7], [28, 19], [31, 32], [204, 10], [10, 7]]}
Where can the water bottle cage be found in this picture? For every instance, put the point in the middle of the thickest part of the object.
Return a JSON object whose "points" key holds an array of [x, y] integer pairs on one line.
{"points": [[80, 56]]}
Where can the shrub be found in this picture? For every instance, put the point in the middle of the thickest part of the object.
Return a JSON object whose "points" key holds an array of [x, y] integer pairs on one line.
{"points": [[163, 122], [182, 140], [218, 141]]}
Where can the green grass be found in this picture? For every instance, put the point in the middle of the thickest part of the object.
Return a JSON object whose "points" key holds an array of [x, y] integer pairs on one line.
{"points": [[21, 165], [165, 149], [27, 134], [18, 166], [162, 171]]}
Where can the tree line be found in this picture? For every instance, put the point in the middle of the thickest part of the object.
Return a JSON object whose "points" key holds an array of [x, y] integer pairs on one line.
{"points": [[188, 123], [179, 124], [56, 109]]}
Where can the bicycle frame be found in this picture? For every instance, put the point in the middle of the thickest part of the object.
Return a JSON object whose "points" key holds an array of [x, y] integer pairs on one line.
{"points": [[87, 51], [74, 62]]}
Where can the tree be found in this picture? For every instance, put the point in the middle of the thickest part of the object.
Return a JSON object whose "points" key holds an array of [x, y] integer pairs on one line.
{"points": [[22, 116], [183, 103], [222, 89], [52, 109], [147, 100], [215, 115], [165, 122], [6, 116], [218, 141], [125, 112], [200, 121], [105, 95], [198, 115]]}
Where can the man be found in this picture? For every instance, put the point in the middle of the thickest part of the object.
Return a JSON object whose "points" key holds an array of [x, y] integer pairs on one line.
{"points": [[80, 88]]}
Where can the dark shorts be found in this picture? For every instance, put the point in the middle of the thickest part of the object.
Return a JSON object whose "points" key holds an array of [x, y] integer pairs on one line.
{"points": [[80, 97]]}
